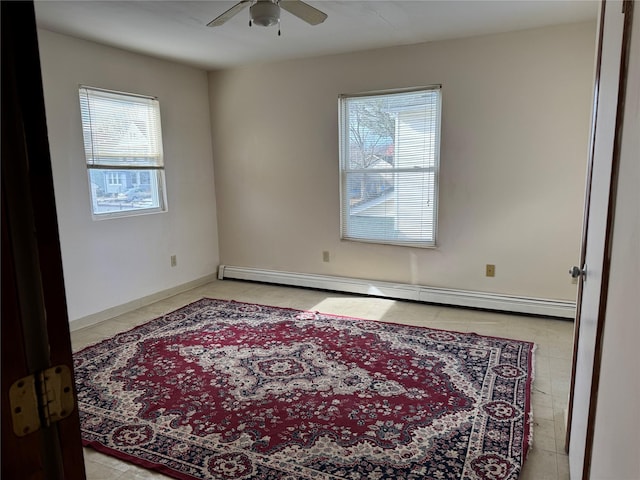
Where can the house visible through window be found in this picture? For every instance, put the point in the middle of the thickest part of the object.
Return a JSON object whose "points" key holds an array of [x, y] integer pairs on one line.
{"points": [[389, 158], [123, 149], [113, 179]]}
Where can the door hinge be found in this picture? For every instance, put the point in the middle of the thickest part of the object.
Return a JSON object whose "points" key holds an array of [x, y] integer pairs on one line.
{"points": [[41, 399]]}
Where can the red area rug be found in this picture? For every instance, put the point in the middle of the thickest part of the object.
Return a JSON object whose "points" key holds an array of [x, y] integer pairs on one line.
{"points": [[228, 390]]}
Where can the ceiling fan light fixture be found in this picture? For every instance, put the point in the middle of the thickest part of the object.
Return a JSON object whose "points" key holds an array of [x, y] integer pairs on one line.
{"points": [[267, 12], [264, 13]]}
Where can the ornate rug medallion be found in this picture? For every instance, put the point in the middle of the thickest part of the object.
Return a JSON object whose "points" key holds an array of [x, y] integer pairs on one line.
{"points": [[228, 390]]}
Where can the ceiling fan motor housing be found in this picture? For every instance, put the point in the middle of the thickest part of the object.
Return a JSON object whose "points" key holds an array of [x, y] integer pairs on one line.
{"points": [[265, 13]]}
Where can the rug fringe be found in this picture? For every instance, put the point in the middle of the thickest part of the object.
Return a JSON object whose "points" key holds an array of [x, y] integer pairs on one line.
{"points": [[529, 441]]}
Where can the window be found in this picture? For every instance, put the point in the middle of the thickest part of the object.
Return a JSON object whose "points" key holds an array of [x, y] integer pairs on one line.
{"points": [[389, 157], [123, 149]]}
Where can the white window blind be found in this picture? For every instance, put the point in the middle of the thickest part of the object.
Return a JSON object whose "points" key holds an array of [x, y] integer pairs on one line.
{"points": [[389, 159], [123, 150]]}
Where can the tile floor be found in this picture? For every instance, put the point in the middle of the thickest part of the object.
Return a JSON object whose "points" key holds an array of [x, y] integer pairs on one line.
{"points": [[546, 459]]}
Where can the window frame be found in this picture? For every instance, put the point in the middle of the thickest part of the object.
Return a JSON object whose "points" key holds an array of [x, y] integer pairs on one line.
{"points": [[157, 180], [343, 122]]}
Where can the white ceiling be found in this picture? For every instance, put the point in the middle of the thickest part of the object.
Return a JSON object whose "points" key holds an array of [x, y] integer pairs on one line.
{"points": [[176, 30]]}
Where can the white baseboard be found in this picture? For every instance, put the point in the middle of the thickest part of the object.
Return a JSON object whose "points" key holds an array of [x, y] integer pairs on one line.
{"points": [[98, 317], [445, 296]]}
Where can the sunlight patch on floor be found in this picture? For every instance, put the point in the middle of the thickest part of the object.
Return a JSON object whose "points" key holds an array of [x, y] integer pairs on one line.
{"points": [[369, 308]]}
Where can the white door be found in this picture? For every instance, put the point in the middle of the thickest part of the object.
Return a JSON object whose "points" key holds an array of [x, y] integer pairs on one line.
{"points": [[594, 239]]}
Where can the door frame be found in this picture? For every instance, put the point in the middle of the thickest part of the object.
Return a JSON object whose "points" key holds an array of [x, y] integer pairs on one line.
{"points": [[35, 325], [627, 9]]}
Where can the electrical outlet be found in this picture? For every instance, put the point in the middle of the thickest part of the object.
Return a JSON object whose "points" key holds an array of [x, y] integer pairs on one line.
{"points": [[325, 256], [491, 270], [174, 260]]}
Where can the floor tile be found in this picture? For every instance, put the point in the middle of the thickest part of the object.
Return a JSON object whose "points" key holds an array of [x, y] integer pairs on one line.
{"points": [[563, 466], [540, 465]]}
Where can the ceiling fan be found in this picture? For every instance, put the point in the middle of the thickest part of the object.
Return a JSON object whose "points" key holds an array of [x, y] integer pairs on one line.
{"points": [[267, 12]]}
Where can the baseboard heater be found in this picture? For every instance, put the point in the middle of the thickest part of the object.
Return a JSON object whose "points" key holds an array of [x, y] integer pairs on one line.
{"points": [[444, 296]]}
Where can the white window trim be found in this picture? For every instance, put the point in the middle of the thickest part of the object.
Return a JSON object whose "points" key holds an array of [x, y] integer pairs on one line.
{"points": [[343, 154], [157, 171]]}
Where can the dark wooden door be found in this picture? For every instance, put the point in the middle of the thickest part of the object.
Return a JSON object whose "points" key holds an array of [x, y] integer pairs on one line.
{"points": [[35, 327]]}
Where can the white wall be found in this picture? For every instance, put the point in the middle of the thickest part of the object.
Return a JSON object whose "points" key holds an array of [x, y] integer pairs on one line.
{"points": [[109, 263], [616, 444], [516, 112]]}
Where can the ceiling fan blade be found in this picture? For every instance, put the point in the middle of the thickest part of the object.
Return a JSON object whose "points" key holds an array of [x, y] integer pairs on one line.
{"points": [[303, 11], [229, 13]]}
